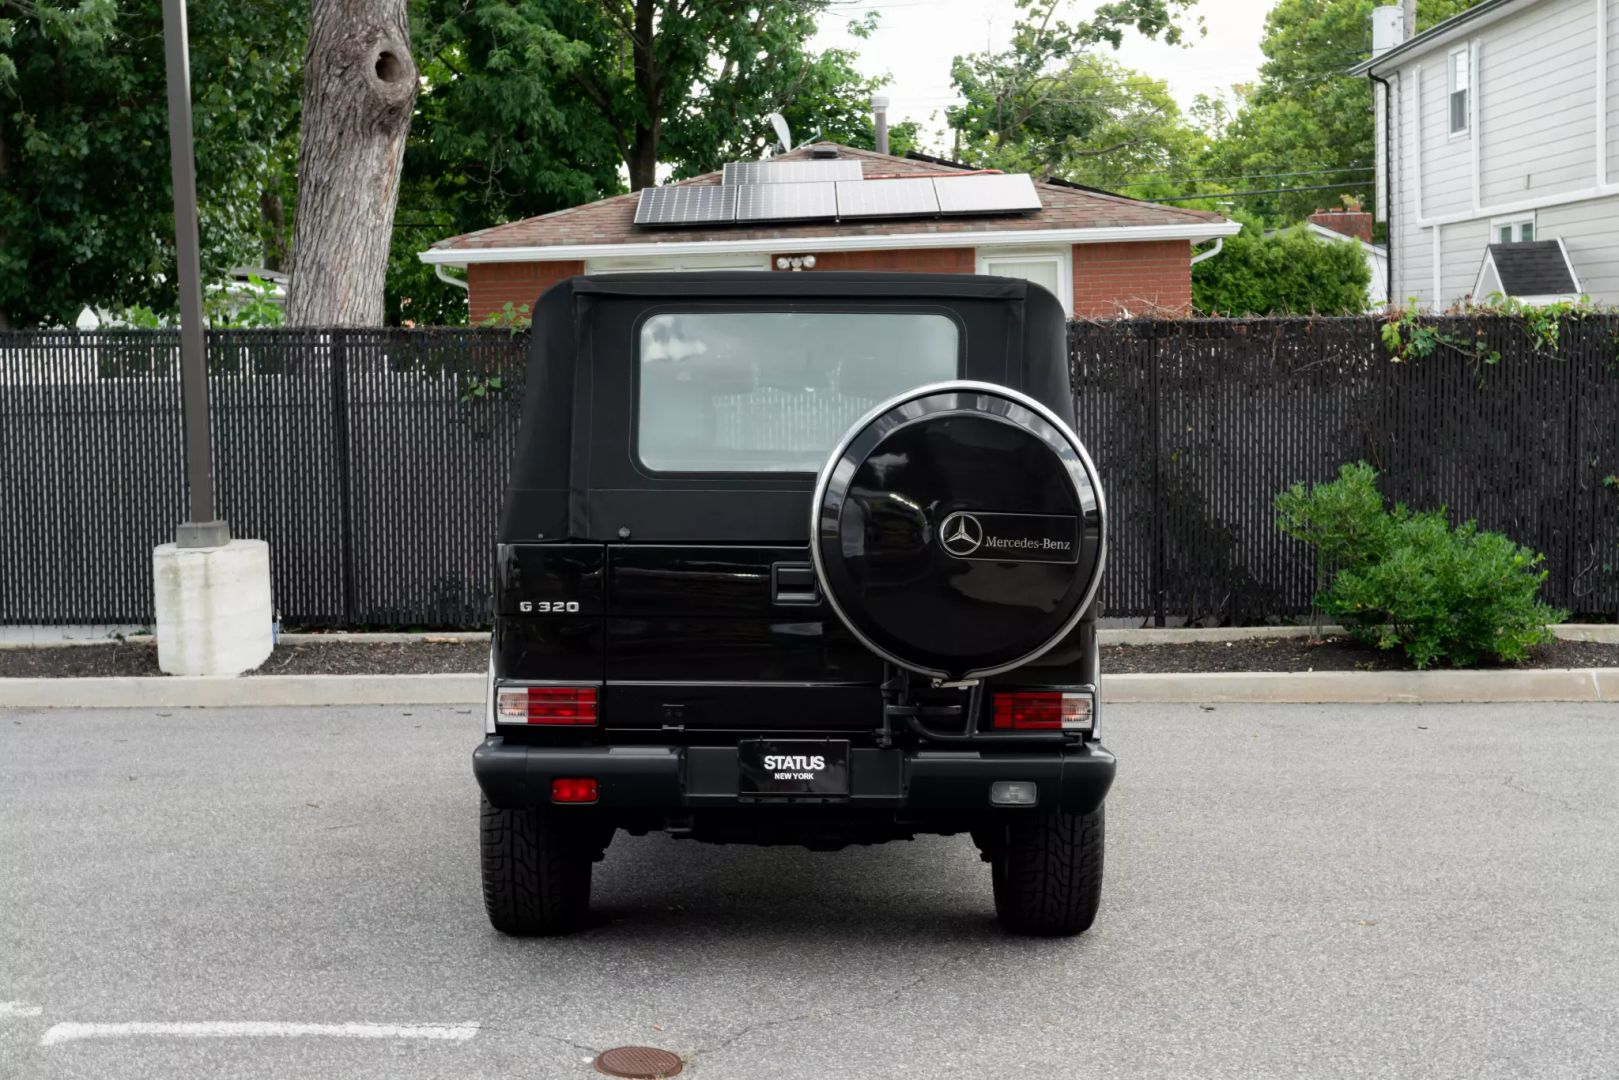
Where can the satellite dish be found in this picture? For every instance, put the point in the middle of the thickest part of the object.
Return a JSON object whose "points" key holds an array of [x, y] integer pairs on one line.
{"points": [[783, 133]]}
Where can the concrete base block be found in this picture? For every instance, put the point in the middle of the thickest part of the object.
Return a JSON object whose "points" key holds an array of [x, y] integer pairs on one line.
{"points": [[213, 607]]}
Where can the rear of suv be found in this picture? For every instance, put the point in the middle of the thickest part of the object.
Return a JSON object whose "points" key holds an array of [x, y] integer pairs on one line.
{"points": [[796, 559]]}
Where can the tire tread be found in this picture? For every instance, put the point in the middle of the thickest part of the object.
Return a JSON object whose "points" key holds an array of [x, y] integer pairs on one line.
{"points": [[536, 873], [1048, 875]]}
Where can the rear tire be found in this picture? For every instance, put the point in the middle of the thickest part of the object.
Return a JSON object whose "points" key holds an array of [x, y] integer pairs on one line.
{"points": [[536, 870], [1047, 872]]}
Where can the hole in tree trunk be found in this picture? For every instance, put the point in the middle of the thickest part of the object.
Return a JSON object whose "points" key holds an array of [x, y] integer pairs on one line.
{"points": [[389, 69]]}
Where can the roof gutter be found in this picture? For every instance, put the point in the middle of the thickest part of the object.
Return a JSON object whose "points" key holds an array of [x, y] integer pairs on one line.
{"points": [[1474, 17], [1387, 194], [1219, 242], [1195, 232]]}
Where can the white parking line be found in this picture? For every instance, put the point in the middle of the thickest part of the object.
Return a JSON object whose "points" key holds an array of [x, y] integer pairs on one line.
{"points": [[19, 1008], [255, 1029]]}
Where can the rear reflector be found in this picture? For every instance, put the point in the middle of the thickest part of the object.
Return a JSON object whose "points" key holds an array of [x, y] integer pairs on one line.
{"points": [[1042, 710], [559, 705], [573, 790]]}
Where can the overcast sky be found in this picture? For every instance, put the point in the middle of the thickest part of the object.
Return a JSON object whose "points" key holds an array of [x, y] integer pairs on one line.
{"points": [[916, 40]]}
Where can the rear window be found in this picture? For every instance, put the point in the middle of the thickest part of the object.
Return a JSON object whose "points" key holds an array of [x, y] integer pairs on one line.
{"points": [[764, 391]]}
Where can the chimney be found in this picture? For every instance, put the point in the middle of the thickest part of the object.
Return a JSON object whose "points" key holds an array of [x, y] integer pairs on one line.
{"points": [[1388, 29], [1354, 223], [879, 117]]}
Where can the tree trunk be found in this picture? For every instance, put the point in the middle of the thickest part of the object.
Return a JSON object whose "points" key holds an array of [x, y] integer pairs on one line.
{"points": [[273, 227], [5, 174], [643, 158], [359, 86]]}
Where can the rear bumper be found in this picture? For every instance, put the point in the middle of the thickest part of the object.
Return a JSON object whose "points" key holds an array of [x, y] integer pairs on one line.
{"points": [[948, 784]]}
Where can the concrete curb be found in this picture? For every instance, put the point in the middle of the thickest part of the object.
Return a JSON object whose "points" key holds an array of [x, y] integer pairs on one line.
{"points": [[209, 691], [1364, 687], [380, 637], [1294, 688], [1606, 633], [1187, 635], [1603, 633]]}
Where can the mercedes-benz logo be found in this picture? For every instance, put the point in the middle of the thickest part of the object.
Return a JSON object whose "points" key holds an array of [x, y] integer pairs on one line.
{"points": [[961, 534]]}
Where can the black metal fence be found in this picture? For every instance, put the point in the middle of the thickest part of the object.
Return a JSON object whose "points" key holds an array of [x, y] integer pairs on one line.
{"points": [[1198, 424], [374, 461]]}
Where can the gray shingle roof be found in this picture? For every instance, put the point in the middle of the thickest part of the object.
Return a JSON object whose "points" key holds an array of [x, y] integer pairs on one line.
{"points": [[1538, 268]]}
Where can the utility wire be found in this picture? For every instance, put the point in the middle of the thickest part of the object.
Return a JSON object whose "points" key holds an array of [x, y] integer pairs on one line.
{"points": [[1251, 194], [1152, 178]]}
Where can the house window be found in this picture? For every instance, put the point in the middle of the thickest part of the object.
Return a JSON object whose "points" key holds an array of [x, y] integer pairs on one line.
{"points": [[1052, 270], [1461, 81], [1513, 230]]}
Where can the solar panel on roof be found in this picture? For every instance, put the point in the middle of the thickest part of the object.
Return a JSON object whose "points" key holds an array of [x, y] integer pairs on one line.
{"points": [[790, 172], [687, 205], [1008, 193], [886, 198], [786, 202]]}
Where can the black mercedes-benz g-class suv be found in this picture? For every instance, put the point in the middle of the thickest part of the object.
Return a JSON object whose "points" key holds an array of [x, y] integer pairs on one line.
{"points": [[796, 558]]}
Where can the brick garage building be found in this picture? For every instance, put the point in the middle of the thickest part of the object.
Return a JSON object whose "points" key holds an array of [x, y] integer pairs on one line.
{"points": [[1103, 255]]}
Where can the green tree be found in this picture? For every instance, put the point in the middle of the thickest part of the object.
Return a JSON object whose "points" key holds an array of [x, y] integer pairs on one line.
{"points": [[556, 95], [1291, 272], [1050, 105], [85, 205], [1093, 121], [1305, 123], [538, 105]]}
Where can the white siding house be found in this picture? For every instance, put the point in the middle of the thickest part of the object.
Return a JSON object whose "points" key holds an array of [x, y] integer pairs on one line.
{"points": [[1503, 129]]}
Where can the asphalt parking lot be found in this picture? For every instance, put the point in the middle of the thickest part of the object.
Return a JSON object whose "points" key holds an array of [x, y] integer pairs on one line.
{"points": [[1291, 891]]}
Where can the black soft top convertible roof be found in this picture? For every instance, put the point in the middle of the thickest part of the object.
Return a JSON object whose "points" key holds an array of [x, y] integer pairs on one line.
{"points": [[576, 476]]}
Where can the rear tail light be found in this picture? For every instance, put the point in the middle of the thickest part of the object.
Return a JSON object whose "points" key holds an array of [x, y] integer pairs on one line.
{"points": [[556, 705], [573, 790], [1043, 710]]}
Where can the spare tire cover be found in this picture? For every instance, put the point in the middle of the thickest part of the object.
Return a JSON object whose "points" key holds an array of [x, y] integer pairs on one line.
{"points": [[958, 531]]}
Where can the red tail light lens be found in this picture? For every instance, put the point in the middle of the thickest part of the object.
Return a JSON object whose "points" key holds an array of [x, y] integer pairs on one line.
{"points": [[1028, 711], [1042, 710], [573, 790], [558, 705]]}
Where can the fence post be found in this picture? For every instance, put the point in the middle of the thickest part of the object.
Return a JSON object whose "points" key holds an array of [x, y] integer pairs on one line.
{"points": [[340, 427], [1154, 422], [1573, 370]]}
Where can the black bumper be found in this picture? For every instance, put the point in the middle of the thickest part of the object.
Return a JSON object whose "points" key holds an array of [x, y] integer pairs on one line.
{"points": [[945, 782]]}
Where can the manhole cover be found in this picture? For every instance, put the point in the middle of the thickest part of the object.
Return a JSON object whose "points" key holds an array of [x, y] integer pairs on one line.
{"points": [[638, 1062]]}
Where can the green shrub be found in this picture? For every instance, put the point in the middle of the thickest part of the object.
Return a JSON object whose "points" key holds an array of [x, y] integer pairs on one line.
{"points": [[1407, 580], [1292, 272], [1344, 521]]}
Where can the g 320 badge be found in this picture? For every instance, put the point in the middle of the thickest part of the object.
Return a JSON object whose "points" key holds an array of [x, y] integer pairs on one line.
{"points": [[548, 607]]}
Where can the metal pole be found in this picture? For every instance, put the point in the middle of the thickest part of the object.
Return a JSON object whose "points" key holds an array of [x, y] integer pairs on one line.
{"points": [[201, 527]]}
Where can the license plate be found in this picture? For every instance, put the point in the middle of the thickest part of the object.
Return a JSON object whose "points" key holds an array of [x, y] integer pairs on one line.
{"points": [[793, 767]]}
